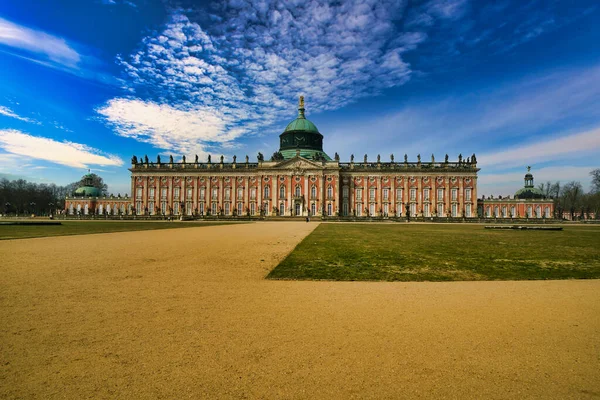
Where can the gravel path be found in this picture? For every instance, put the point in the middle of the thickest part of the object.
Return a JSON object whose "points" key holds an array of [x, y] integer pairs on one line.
{"points": [[186, 313]]}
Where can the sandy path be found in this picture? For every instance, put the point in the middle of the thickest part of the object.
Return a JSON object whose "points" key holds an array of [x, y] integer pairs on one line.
{"points": [[185, 313]]}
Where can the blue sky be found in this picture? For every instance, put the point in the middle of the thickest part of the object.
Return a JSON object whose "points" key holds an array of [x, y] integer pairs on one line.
{"points": [[87, 84]]}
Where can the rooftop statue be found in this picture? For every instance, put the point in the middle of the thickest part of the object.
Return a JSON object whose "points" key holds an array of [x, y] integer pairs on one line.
{"points": [[351, 157], [378, 158], [260, 157], [432, 158], [183, 159], [392, 157], [134, 160], [209, 158], [158, 159], [196, 159], [234, 159], [405, 158], [171, 159], [446, 159]]}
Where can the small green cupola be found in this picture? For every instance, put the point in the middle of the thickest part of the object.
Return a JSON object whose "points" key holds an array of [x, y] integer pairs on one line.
{"points": [[87, 189], [301, 134], [529, 191]]}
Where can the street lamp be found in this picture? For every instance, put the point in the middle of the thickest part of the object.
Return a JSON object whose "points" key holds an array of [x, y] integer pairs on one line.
{"points": [[50, 205], [32, 205], [6, 207]]}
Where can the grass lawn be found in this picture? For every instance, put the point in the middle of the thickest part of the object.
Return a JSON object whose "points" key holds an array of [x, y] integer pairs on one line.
{"points": [[87, 227], [448, 252]]}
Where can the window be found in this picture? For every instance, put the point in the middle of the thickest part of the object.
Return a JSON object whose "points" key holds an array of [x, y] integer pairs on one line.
{"points": [[371, 210], [240, 208], [100, 209], [252, 208], [189, 193], [386, 194], [227, 193], [282, 192], [281, 209], [176, 193], [359, 194], [413, 194], [399, 209], [496, 213], [123, 209], [329, 210], [188, 208], [538, 212], [329, 192], [313, 192], [215, 193], [426, 210], [253, 194], [426, 194], [345, 192], [313, 209], [529, 212], [386, 209], [345, 209], [372, 194], [86, 209], [176, 208], [547, 212], [440, 195], [468, 210], [227, 206], [468, 194], [151, 193], [298, 209], [512, 212], [138, 193], [71, 209], [454, 194], [267, 192], [163, 207], [202, 193], [213, 210], [240, 193], [201, 209], [504, 212], [399, 195], [150, 208], [163, 192], [297, 191], [440, 210], [413, 210], [454, 210]]}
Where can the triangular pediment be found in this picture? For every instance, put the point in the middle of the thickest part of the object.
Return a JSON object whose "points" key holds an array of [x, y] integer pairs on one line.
{"points": [[298, 163]]}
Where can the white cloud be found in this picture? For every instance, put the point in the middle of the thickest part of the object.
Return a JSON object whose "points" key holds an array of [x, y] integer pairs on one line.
{"points": [[55, 48], [10, 113], [65, 153], [545, 149], [168, 128]]}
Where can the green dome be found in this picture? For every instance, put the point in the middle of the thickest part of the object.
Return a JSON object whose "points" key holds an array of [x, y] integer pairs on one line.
{"points": [[301, 124], [88, 191], [529, 193]]}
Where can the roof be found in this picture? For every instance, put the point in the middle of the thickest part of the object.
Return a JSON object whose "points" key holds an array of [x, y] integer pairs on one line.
{"points": [[301, 124], [529, 193], [89, 191]]}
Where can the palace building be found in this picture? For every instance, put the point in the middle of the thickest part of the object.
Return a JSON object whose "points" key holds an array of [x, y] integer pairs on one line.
{"points": [[300, 179]]}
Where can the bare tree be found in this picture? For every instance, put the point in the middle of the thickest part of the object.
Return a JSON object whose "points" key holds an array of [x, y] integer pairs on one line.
{"points": [[595, 180], [571, 196]]}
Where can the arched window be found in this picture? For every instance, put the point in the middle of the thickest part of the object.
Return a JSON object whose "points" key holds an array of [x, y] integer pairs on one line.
{"points": [[282, 192], [313, 192], [329, 192], [267, 192], [538, 212], [297, 190], [71, 209], [329, 210]]}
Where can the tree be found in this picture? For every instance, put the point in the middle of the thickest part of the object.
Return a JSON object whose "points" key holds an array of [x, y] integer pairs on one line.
{"points": [[571, 195], [595, 180]]}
